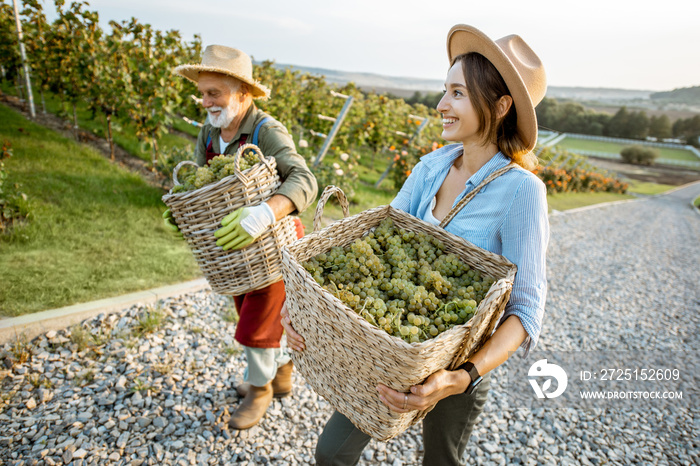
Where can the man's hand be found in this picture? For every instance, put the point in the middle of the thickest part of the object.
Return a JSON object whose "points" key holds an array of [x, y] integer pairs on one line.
{"points": [[243, 226], [294, 340], [171, 224]]}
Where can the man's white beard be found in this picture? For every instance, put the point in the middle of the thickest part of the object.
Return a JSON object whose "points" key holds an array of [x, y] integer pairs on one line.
{"points": [[225, 117]]}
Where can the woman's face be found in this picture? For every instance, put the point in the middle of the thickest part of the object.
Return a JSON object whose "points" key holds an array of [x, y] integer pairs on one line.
{"points": [[460, 122]]}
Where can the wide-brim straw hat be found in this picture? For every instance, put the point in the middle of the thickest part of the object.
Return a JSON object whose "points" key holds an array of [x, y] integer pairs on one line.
{"points": [[228, 61], [520, 67]]}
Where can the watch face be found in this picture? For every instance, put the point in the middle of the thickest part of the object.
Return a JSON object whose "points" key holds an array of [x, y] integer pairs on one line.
{"points": [[472, 386]]}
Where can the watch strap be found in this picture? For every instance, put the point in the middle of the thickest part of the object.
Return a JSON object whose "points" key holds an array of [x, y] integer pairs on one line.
{"points": [[473, 374]]}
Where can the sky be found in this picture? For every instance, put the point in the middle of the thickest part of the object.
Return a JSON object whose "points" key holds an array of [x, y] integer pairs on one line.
{"points": [[628, 44]]}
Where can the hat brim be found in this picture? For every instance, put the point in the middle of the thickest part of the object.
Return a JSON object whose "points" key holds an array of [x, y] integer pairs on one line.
{"points": [[466, 39], [191, 72]]}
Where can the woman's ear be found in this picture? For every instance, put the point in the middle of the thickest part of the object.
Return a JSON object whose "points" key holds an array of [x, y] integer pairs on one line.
{"points": [[503, 105]]}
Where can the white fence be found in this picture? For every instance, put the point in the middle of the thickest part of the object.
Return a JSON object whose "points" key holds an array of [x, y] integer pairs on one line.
{"points": [[630, 142], [611, 155], [550, 141]]}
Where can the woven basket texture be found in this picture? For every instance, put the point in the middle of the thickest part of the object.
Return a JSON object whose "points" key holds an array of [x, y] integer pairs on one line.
{"points": [[198, 213], [346, 357]]}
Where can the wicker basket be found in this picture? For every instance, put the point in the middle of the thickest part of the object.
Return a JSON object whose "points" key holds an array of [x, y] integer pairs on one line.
{"points": [[198, 213], [346, 357]]}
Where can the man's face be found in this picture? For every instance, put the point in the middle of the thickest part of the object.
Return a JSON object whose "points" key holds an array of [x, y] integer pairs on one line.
{"points": [[221, 102]]}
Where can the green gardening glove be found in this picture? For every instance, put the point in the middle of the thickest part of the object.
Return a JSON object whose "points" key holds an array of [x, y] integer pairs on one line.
{"points": [[171, 224], [243, 226]]}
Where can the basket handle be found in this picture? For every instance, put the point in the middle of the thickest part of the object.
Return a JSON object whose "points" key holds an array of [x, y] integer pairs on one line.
{"points": [[237, 160], [177, 169], [327, 193], [455, 210], [461, 355]]}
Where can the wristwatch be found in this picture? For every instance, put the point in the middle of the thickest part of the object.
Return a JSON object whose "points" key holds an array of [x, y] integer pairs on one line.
{"points": [[474, 374]]}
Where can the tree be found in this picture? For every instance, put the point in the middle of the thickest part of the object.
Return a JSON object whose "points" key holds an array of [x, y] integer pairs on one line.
{"points": [[637, 125], [151, 95], [639, 155], [9, 49], [688, 129], [73, 40], [35, 26], [617, 126], [660, 126]]}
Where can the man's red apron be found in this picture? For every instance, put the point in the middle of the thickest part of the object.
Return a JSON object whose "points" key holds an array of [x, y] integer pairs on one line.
{"points": [[259, 323]]}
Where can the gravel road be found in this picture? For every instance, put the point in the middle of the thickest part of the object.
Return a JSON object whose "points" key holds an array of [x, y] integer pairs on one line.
{"points": [[154, 385]]}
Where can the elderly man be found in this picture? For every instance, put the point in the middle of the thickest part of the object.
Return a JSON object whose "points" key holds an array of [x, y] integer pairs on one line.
{"points": [[227, 87]]}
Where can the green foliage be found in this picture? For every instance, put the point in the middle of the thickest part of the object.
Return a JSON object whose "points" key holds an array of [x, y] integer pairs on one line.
{"points": [[35, 28], [689, 129], [564, 172], [9, 50], [169, 158], [14, 206], [572, 117], [429, 99], [639, 155], [660, 127], [149, 321]]}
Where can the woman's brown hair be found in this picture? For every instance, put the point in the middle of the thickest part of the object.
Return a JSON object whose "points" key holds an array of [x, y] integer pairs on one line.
{"points": [[485, 87]]}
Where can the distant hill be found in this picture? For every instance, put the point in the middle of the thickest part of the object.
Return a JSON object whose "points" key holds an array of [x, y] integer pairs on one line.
{"points": [[689, 95], [600, 94], [406, 87], [371, 81]]}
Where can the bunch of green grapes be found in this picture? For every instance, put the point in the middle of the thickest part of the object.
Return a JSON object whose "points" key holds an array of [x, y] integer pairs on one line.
{"points": [[402, 282], [218, 168]]}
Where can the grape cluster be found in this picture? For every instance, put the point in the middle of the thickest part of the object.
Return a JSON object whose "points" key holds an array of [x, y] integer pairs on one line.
{"points": [[402, 282], [217, 169]]}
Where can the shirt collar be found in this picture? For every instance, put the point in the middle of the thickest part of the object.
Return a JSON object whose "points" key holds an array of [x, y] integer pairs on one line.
{"points": [[443, 158], [497, 161]]}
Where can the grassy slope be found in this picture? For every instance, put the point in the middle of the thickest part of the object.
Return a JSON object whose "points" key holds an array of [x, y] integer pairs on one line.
{"points": [[96, 229], [76, 237], [573, 144]]}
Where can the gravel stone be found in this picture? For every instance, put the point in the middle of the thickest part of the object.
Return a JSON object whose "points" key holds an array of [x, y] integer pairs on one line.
{"points": [[620, 277]]}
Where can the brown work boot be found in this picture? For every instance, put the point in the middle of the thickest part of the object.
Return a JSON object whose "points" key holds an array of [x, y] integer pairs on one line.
{"points": [[281, 384], [252, 408]]}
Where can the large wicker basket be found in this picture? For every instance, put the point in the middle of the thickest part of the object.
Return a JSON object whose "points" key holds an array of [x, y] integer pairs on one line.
{"points": [[198, 213], [346, 357]]}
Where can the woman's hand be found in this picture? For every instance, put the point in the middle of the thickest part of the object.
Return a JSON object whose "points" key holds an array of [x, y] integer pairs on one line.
{"points": [[436, 387], [294, 340]]}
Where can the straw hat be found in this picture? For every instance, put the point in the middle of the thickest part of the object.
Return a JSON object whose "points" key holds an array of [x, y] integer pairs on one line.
{"points": [[520, 68], [228, 61]]}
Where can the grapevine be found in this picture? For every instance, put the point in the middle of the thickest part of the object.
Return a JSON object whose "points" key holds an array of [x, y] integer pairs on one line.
{"points": [[402, 282], [215, 170]]}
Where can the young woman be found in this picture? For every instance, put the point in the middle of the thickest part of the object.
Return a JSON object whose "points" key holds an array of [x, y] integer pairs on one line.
{"points": [[488, 109]]}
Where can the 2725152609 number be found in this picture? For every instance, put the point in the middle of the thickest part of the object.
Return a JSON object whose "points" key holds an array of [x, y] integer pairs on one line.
{"points": [[640, 374]]}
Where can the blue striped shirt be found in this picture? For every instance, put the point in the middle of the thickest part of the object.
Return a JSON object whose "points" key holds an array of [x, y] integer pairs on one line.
{"points": [[508, 217]]}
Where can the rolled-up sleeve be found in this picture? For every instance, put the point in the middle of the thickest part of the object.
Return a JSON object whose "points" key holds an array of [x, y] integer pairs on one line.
{"points": [[402, 201], [298, 183], [525, 235]]}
